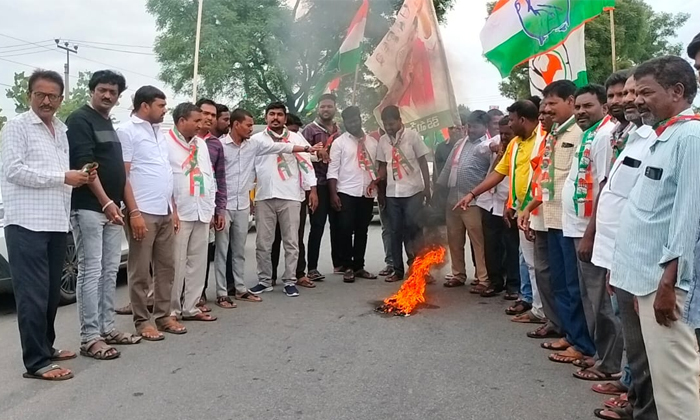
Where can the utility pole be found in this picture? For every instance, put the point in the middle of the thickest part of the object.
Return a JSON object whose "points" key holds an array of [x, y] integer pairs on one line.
{"points": [[66, 46]]}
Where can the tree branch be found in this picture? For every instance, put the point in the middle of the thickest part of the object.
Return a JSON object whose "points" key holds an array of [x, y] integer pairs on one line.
{"points": [[294, 10]]}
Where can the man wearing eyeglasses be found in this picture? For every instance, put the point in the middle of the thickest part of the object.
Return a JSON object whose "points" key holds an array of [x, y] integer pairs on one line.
{"points": [[37, 183]]}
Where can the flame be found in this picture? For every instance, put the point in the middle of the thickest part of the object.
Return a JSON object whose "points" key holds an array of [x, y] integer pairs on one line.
{"points": [[412, 291]]}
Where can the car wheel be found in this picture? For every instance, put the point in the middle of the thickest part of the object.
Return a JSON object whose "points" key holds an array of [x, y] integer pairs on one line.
{"points": [[69, 276]]}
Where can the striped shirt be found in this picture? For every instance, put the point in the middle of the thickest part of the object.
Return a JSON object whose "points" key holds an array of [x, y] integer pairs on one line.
{"points": [[661, 220], [472, 166]]}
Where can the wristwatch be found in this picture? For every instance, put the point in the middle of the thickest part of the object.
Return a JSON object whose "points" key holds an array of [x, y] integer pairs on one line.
{"points": [[307, 149]]}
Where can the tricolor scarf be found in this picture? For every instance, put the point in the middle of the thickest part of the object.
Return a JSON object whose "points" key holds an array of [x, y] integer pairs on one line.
{"points": [[583, 192], [399, 162], [513, 159], [618, 140], [660, 127], [191, 163], [282, 166], [364, 160], [546, 181]]}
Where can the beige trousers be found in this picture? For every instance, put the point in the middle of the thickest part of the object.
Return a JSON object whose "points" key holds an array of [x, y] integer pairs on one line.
{"points": [[460, 224], [674, 362], [191, 246]]}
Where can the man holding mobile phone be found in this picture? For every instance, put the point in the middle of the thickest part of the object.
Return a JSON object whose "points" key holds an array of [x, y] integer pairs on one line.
{"points": [[96, 216]]}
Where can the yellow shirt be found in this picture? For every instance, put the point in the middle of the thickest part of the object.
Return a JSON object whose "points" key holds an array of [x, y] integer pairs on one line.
{"points": [[522, 164]]}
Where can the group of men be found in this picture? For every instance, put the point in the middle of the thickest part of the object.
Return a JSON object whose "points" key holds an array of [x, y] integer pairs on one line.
{"points": [[576, 207]]}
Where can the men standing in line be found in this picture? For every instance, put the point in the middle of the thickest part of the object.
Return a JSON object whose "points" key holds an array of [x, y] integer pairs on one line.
{"points": [[194, 192], [631, 146], [352, 169], [654, 247], [96, 218], [151, 214], [554, 164], [36, 187], [466, 168], [407, 187], [694, 52], [588, 173], [322, 130]]}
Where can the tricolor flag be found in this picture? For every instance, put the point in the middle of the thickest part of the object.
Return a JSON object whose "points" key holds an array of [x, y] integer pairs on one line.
{"points": [[565, 62], [518, 30], [346, 60]]}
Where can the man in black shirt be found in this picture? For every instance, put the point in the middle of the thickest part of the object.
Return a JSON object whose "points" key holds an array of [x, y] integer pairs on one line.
{"points": [[96, 216]]}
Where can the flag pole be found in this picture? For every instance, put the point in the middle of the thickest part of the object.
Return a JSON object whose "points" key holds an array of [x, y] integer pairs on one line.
{"points": [[354, 84], [612, 39], [196, 51]]}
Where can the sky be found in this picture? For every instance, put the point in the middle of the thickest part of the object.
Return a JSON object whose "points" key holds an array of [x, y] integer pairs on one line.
{"points": [[26, 42]]}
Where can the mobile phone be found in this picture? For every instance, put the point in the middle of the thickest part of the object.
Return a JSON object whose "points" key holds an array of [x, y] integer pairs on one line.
{"points": [[89, 167], [653, 173], [631, 162]]}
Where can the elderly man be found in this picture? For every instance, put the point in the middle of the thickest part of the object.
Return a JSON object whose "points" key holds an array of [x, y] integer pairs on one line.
{"points": [[36, 186]]}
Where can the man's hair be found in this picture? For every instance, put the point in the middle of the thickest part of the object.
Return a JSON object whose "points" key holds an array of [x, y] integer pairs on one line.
{"points": [[327, 97], [293, 119], [220, 109], [276, 105], [617, 78], [107, 77], [595, 90], [391, 113], [351, 111], [49, 75], [205, 101], [494, 112], [504, 121], [525, 109], [147, 95], [240, 114], [694, 47], [535, 100], [184, 110], [560, 88], [479, 117], [669, 71]]}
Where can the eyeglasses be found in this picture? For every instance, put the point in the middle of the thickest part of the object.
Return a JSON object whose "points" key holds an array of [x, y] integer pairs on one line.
{"points": [[40, 96]]}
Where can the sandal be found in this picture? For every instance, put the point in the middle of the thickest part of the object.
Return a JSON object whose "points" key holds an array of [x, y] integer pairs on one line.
{"points": [[566, 356], [393, 278], [349, 276], [528, 318], [454, 282], [543, 332], [150, 333], [305, 282], [387, 271], [41, 374], [585, 363], [519, 307], [609, 388], [474, 282], [173, 327], [364, 274], [620, 401], [200, 317], [61, 355], [248, 297], [591, 374], [314, 275], [99, 350], [490, 292], [478, 289], [225, 302], [121, 338], [125, 310], [559, 345], [511, 296], [612, 414]]}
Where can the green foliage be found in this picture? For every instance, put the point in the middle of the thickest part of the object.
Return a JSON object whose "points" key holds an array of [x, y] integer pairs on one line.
{"points": [[79, 94], [640, 34], [253, 52], [19, 92], [3, 120]]}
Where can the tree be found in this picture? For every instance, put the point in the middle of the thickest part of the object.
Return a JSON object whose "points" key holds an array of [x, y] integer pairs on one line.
{"points": [[464, 112], [3, 120], [79, 94], [640, 34], [253, 52]]}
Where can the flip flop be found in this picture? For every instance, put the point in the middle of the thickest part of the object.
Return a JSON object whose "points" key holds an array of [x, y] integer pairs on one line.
{"points": [[620, 401], [543, 332], [155, 334], [590, 374], [567, 356], [172, 328], [305, 282], [528, 318], [609, 388], [225, 302], [585, 363], [61, 355], [199, 317], [364, 274], [559, 345], [619, 414], [248, 297], [38, 374]]}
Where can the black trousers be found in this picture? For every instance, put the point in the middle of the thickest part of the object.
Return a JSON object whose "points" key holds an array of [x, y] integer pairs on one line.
{"points": [[501, 246], [353, 220], [406, 230], [301, 261], [317, 221], [36, 264]]}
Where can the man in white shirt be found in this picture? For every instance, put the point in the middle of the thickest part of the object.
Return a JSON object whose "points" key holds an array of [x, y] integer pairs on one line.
{"points": [[406, 187], [588, 173], [351, 170], [282, 181], [194, 190], [151, 223], [36, 188], [240, 152]]}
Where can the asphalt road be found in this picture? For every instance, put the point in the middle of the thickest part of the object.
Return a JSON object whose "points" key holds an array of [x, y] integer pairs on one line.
{"points": [[324, 355]]}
